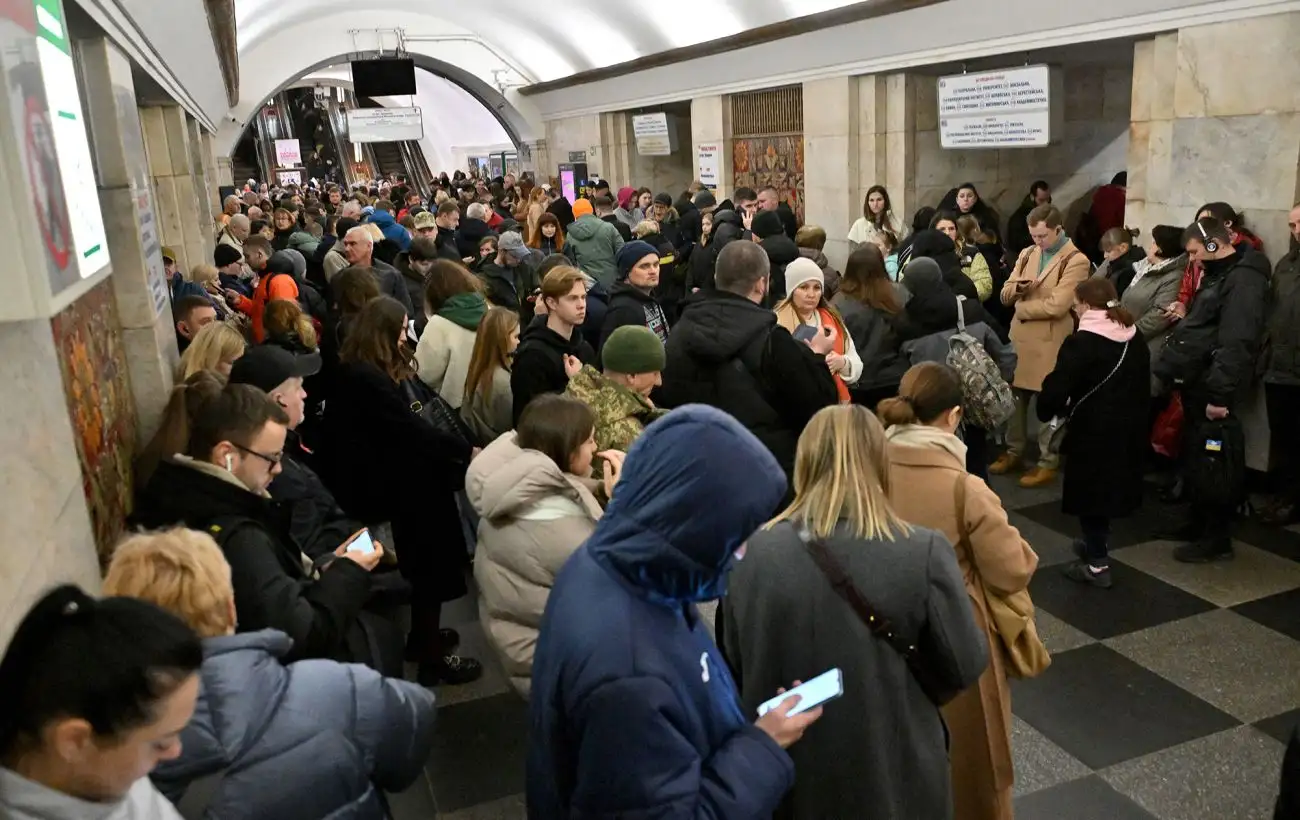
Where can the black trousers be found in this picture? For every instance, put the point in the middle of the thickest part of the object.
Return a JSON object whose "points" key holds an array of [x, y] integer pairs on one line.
{"points": [[1283, 401], [1096, 539]]}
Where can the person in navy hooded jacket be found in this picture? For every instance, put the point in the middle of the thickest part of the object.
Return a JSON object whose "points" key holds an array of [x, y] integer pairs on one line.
{"points": [[633, 711]]}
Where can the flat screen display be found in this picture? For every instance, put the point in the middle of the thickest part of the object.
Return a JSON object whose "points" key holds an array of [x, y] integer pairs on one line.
{"points": [[385, 77]]}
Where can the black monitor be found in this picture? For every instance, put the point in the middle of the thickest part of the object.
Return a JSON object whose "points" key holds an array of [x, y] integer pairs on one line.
{"points": [[385, 77]]}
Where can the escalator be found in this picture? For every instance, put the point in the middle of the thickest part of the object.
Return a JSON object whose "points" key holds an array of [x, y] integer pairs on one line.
{"points": [[389, 159]]}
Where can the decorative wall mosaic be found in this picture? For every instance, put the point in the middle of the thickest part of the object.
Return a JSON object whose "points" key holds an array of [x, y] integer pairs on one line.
{"points": [[777, 161]]}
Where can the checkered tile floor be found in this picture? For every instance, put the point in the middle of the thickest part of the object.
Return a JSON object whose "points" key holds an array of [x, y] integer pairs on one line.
{"points": [[1170, 695]]}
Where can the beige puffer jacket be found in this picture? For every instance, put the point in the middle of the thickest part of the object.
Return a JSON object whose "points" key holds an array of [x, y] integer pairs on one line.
{"points": [[532, 518]]}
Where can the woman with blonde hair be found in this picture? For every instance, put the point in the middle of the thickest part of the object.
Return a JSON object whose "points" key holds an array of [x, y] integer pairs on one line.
{"points": [[934, 490], [215, 347], [287, 326], [840, 581], [487, 405], [537, 204], [805, 312], [329, 736], [209, 278]]}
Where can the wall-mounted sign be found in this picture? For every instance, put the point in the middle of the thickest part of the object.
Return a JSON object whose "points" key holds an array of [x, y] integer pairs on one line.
{"points": [[385, 124], [293, 177], [996, 109], [709, 164], [655, 134], [577, 156], [288, 154]]}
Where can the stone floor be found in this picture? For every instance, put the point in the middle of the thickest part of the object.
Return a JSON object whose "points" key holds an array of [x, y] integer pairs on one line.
{"points": [[1170, 695]]}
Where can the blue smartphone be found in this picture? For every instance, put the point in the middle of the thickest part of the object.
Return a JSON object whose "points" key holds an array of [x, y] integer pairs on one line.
{"points": [[805, 333], [825, 687], [363, 543]]}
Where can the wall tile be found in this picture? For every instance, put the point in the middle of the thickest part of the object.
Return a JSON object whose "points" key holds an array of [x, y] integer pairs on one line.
{"points": [[1248, 161], [1143, 88], [927, 103], [873, 98], [1159, 160], [152, 359], [130, 276], [901, 107], [1164, 73], [1117, 92], [1084, 89], [829, 107], [1236, 68], [1139, 149]]}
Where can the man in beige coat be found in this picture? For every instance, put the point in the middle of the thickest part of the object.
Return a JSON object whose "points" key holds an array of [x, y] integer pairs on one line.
{"points": [[1042, 290]]}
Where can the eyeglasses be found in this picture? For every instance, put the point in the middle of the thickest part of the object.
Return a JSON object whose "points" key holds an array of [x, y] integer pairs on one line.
{"points": [[273, 459]]}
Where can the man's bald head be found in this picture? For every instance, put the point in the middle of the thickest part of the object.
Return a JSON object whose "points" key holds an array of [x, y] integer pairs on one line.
{"points": [[240, 226], [350, 210]]}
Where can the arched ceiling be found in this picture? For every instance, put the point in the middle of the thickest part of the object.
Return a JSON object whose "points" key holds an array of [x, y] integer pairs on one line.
{"points": [[544, 41]]}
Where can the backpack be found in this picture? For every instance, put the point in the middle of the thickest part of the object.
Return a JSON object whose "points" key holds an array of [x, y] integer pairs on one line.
{"points": [[987, 399]]}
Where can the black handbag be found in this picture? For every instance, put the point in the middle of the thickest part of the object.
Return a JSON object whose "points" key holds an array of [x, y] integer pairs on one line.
{"points": [[1216, 462], [433, 408], [874, 621]]}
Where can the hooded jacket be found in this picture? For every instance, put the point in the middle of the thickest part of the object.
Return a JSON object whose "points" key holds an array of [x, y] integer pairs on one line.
{"points": [[539, 363], [393, 232], [728, 352], [1212, 351], [621, 414], [727, 228], [633, 711], [447, 345], [938, 246], [272, 584], [929, 321], [532, 516], [468, 235], [781, 251], [630, 305], [310, 739], [23, 799], [593, 245]]}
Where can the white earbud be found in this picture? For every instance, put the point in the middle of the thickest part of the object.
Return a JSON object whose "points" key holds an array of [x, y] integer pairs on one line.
{"points": [[229, 465]]}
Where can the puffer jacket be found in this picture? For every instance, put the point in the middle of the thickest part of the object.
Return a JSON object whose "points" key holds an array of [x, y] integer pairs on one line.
{"points": [[1283, 352], [593, 245], [311, 739], [392, 231], [532, 516]]}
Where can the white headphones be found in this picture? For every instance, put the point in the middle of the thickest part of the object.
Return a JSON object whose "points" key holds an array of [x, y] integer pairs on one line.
{"points": [[229, 465]]}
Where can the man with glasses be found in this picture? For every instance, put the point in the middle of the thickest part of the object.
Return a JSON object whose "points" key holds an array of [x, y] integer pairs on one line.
{"points": [[219, 484]]}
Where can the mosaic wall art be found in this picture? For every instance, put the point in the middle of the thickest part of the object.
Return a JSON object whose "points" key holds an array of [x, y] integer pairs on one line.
{"points": [[777, 161], [88, 338]]}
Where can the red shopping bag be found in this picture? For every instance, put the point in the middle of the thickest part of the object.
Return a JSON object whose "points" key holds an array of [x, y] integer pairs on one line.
{"points": [[1167, 433]]}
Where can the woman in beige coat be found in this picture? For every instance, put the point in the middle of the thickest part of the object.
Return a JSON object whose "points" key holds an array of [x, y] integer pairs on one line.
{"points": [[537, 504], [927, 461], [1041, 289]]}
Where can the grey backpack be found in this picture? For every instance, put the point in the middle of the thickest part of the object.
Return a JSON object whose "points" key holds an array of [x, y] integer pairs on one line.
{"points": [[987, 399]]}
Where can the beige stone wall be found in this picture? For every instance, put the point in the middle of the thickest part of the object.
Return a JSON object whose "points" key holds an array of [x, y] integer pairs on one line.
{"points": [[670, 174], [830, 159], [711, 125], [574, 134], [1090, 150]]}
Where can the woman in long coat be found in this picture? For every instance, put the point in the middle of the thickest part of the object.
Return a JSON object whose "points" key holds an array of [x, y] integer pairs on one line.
{"points": [[928, 463]]}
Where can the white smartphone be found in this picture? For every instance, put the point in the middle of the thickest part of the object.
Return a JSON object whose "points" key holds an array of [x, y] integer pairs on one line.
{"points": [[363, 543], [825, 687]]}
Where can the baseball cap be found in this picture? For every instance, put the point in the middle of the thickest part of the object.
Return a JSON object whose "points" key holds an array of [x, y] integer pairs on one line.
{"points": [[512, 243], [226, 255], [266, 367], [168, 253], [424, 220]]}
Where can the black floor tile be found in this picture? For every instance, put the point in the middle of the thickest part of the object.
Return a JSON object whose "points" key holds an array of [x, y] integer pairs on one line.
{"points": [[1103, 708], [1089, 798], [1145, 525], [1274, 539], [1280, 727], [1277, 612], [480, 751], [1137, 601]]}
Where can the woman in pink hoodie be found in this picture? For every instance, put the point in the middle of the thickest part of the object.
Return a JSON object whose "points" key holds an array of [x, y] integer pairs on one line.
{"points": [[1101, 386]]}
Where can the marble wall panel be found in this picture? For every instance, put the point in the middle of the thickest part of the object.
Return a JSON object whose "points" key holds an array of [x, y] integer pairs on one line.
{"points": [[1249, 161], [1237, 68]]}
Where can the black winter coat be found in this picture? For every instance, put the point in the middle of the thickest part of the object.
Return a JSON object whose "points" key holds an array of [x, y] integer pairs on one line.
{"points": [[875, 336], [272, 588], [447, 248], [729, 353], [391, 284], [620, 226], [781, 251], [1282, 353], [414, 283], [1107, 435], [937, 246], [470, 233], [1120, 272], [1017, 235], [384, 463], [632, 306], [539, 363], [317, 523], [1212, 351]]}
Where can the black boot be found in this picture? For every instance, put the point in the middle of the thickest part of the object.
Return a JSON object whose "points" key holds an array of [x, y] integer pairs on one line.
{"points": [[1204, 551]]}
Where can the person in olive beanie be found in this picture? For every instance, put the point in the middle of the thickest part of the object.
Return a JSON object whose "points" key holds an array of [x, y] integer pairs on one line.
{"points": [[632, 298], [633, 361]]}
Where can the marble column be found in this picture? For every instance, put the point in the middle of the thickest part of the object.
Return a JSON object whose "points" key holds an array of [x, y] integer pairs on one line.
{"points": [[225, 171], [711, 125], [573, 134], [831, 157], [167, 145], [901, 113], [130, 220], [618, 146], [201, 252]]}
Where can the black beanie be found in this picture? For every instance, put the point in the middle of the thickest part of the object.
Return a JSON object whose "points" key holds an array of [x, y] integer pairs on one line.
{"points": [[767, 223], [704, 199]]}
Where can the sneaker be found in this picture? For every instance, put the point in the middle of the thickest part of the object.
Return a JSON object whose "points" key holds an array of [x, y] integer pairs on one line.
{"points": [[1006, 463], [1037, 477], [455, 670], [449, 640], [1081, 573], [1203, 552]]}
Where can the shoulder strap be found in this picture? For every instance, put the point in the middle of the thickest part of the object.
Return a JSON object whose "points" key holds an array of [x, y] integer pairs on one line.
{"points": [[1102, 383], [846, 589], [961, 314]]}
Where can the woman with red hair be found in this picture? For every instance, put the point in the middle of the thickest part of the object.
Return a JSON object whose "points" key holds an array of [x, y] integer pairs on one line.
{"points": [[548, 236]]}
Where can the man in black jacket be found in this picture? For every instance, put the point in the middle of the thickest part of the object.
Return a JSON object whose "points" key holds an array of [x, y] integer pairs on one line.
{"points": [[631, 299], [728, 351], [1040, 193], [1282, 380], [1210, 357], [219, 485], [781, 250], [472, 230], [553, 352]]}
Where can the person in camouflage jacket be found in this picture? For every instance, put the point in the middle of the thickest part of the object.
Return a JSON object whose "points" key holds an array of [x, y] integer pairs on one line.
{"points": [[633, 359]]}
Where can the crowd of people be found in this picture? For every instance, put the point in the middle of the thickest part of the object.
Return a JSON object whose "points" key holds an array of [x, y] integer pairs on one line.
{"points": [[603, 406]]}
